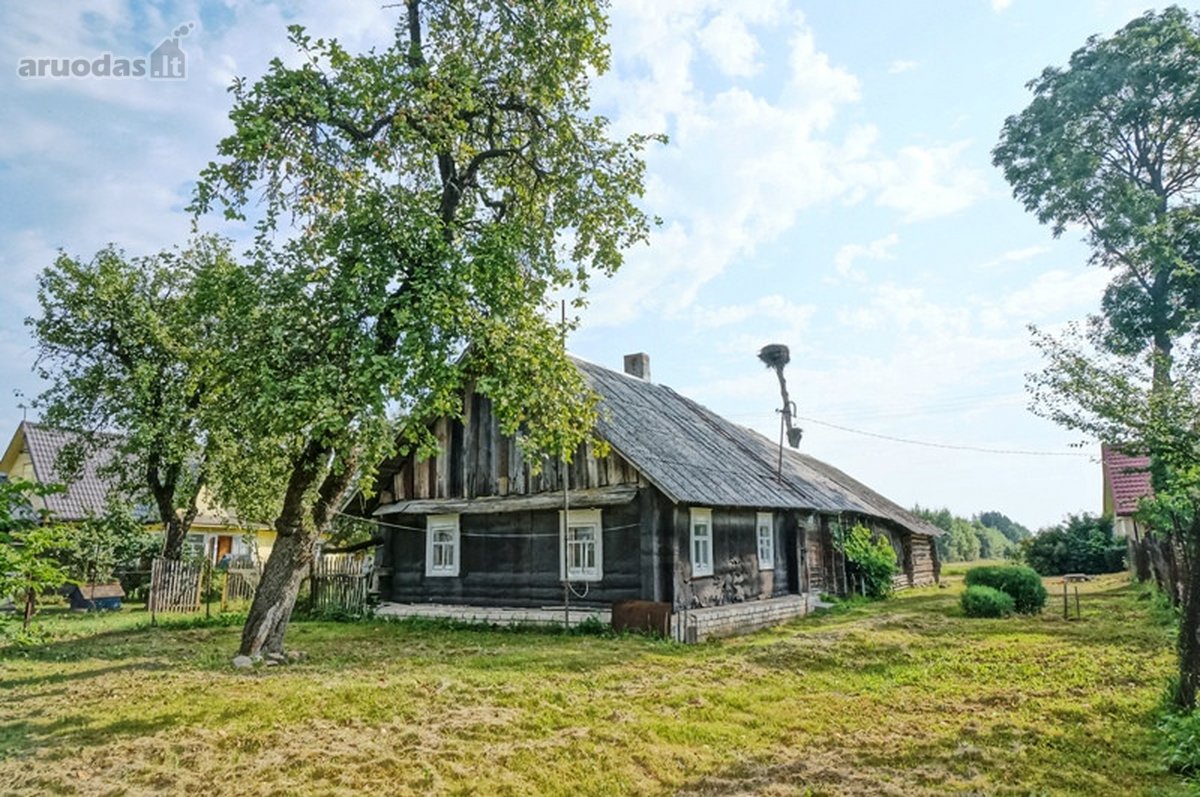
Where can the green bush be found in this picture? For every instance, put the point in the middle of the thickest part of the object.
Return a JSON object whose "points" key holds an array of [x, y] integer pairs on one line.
{"points": [[1179, 741], [1081, 544], [981, 601], [1022, 584], [871, 560]]}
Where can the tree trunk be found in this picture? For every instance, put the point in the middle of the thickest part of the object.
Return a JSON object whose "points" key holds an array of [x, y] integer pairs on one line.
{"points": [[174, 533], [276, 594], [30, 601], [300, 528], [1139, 558]]}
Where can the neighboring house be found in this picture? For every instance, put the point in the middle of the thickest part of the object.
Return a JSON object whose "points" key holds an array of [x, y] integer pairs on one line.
{"points": [[32, 455], [687, 510], [1126, 481]]}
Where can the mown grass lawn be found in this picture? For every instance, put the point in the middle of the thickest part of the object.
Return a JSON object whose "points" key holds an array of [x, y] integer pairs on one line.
{"points": [[903, 698]]}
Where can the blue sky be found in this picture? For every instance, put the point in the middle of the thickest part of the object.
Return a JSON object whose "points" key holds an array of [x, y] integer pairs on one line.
{"points": [[827, 185]]}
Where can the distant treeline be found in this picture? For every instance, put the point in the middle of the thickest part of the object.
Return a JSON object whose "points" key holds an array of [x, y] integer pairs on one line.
{"points": [[988, 535], [1082, 543]]}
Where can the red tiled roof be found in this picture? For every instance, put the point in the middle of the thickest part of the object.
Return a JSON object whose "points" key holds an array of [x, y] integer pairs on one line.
{"points": [[1127, 477]]}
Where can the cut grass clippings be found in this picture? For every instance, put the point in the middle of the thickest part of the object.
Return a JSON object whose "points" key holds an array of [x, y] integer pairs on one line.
{"points": [[906, 697]]}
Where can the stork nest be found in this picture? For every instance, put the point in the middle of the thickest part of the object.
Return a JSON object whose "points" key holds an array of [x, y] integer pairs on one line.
{"points": [[775, 355]]}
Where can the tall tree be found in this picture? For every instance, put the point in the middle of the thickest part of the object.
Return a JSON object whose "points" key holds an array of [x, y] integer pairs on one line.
{"points": [[416, 206], [123, 343], [1112, 143]]}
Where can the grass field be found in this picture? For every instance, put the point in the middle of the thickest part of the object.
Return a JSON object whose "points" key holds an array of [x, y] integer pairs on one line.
{"points": [[903, 698]]}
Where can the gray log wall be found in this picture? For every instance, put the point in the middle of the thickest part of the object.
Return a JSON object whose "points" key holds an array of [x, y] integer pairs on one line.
{"points": [[512, 559]]}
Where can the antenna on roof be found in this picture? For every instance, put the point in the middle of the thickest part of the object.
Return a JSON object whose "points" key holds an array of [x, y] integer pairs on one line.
{"points": [[775, 356]]}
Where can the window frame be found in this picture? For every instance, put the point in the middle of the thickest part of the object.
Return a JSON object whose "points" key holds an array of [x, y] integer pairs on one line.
{"points": [[580, 518], [765, 520], [700, 516], [436, 523]]}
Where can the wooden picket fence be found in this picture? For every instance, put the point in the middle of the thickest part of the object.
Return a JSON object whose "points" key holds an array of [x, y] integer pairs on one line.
{"points": [[175, 586], [339, 581], [239, 586]]}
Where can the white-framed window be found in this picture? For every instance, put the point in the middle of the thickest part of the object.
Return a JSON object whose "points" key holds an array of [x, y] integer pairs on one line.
{"points": [[702, 542], [194, 546], [765, 526], [581, 555], [442, 550]]}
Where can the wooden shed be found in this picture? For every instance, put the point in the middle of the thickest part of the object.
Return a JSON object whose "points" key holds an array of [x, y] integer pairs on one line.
{"points": [[686, 509], [96, 597]]}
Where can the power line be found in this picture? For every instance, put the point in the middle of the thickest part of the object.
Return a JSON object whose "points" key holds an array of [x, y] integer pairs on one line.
{"points": [[951, 446]]}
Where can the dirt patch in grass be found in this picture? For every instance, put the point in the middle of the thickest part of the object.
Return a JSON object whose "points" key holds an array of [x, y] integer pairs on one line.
{"points": [[906, 697]]}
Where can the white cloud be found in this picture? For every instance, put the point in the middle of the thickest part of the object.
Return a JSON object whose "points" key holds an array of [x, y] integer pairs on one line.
{"points": [[1052, 294], [929, 182], [772, 307], [881, 249], [1001, 5], [1015, 256], [901, 65], [741, 166], [730, 45]]}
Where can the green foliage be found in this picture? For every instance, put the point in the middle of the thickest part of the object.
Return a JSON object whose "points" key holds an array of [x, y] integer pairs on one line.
{"points": [[983, 601], [1109, 143], [1179, 741], [102, 543], [871, 560], [1081, 544], [31, 546], [1022, 584], [992, 544], [1012, 531], [963, 542], [988, 536], [126, 345], [24, 636], [416, 206]]}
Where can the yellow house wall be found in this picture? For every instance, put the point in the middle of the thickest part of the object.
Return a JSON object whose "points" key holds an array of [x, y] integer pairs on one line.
{"points": [[22, 468]]}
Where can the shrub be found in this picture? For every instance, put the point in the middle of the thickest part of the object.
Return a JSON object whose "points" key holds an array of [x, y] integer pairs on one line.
{"points": [[1179, 741], [981, 601], [1022, 584], [872, 560], [1082, 544]]}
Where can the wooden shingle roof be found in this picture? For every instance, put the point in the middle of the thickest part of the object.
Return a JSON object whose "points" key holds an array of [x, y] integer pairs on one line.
{"points": [[697, 457]]}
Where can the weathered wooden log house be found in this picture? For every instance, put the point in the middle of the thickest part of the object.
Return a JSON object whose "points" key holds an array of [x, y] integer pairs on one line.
{"points": [[686, 509]]}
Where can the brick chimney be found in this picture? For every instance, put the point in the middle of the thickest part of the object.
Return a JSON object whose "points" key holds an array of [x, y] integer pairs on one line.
{"points": [[638, 365]]}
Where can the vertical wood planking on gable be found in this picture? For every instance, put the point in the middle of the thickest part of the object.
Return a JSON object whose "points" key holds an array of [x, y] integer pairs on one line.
{"points": [[593, 466], [421, 469], [441, 430], [399, 484], [483, 454], [497, 445], [518, 469], [502, 466], [470, 443], [457, 433]]}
